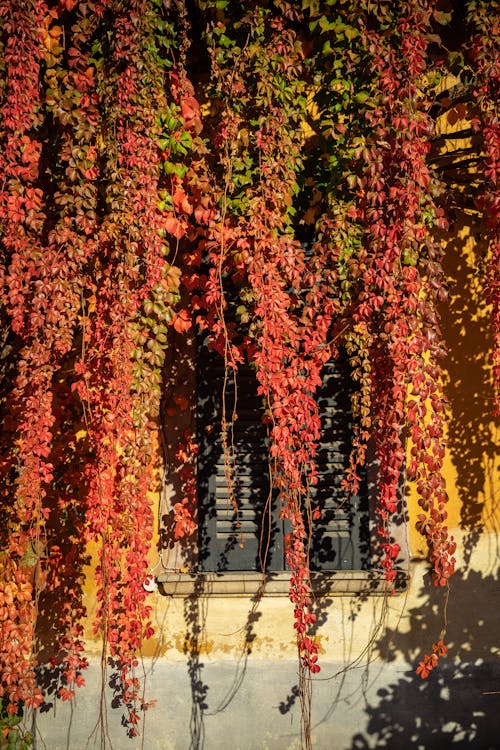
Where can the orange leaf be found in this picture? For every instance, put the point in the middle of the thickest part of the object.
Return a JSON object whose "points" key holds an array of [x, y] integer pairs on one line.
{"points": [[174, 227], [182, 321]]}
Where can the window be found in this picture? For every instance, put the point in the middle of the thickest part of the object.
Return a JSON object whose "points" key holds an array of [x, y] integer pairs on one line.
{"points": [[232, 547], [251, 538]]}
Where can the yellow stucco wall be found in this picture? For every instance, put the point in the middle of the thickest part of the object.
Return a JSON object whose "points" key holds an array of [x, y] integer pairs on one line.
{"points": [[220, 627], [228, 628]]}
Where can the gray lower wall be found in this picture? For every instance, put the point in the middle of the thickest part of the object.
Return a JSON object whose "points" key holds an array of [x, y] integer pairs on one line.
{"points": [[253, 705], [224, 676]]}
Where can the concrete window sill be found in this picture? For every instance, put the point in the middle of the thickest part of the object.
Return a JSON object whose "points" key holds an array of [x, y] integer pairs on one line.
{"points": [[331, 583]]}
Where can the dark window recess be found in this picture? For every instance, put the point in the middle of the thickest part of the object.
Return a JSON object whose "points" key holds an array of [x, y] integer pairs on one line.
{"points": [[231, 541]]}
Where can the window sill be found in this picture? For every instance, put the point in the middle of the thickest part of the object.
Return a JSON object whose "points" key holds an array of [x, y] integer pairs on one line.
{"points": [[331, 583]]}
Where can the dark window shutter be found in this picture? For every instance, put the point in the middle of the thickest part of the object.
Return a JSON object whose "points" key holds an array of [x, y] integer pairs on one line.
{"points": [[339, 540], [238, 541], [229, 540]]}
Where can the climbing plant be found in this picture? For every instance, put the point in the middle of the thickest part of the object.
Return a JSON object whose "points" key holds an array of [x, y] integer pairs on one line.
{"points": [[269, 184]]}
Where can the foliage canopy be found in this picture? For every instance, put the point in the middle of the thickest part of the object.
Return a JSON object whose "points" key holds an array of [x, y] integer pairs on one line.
{"points": [[268, 172]]}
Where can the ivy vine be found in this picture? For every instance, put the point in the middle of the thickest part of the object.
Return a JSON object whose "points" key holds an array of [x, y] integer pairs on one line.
{"points": [[260, 171]]}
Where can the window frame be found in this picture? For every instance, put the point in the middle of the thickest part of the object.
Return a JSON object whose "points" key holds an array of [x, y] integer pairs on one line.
{"points": [[181, 579]]}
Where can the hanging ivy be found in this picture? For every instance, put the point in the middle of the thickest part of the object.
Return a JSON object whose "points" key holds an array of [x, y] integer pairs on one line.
{"points": [[295, 218]]}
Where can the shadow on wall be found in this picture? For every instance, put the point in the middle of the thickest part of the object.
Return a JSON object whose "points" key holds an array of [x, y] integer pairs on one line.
{"points": [[466, 323], [459, 704]]}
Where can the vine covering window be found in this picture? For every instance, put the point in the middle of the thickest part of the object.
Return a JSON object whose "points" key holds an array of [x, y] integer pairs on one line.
{"points": [[239, 521], [316, 120]]}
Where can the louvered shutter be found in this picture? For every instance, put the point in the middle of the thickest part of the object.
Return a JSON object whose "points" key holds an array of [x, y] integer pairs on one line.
{"points": [[339, 540], [229, 540], [232, 542]]}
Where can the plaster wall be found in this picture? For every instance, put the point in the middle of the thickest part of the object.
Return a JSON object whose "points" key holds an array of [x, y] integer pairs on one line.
{"points": [[223, 671], [222, 680]]}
